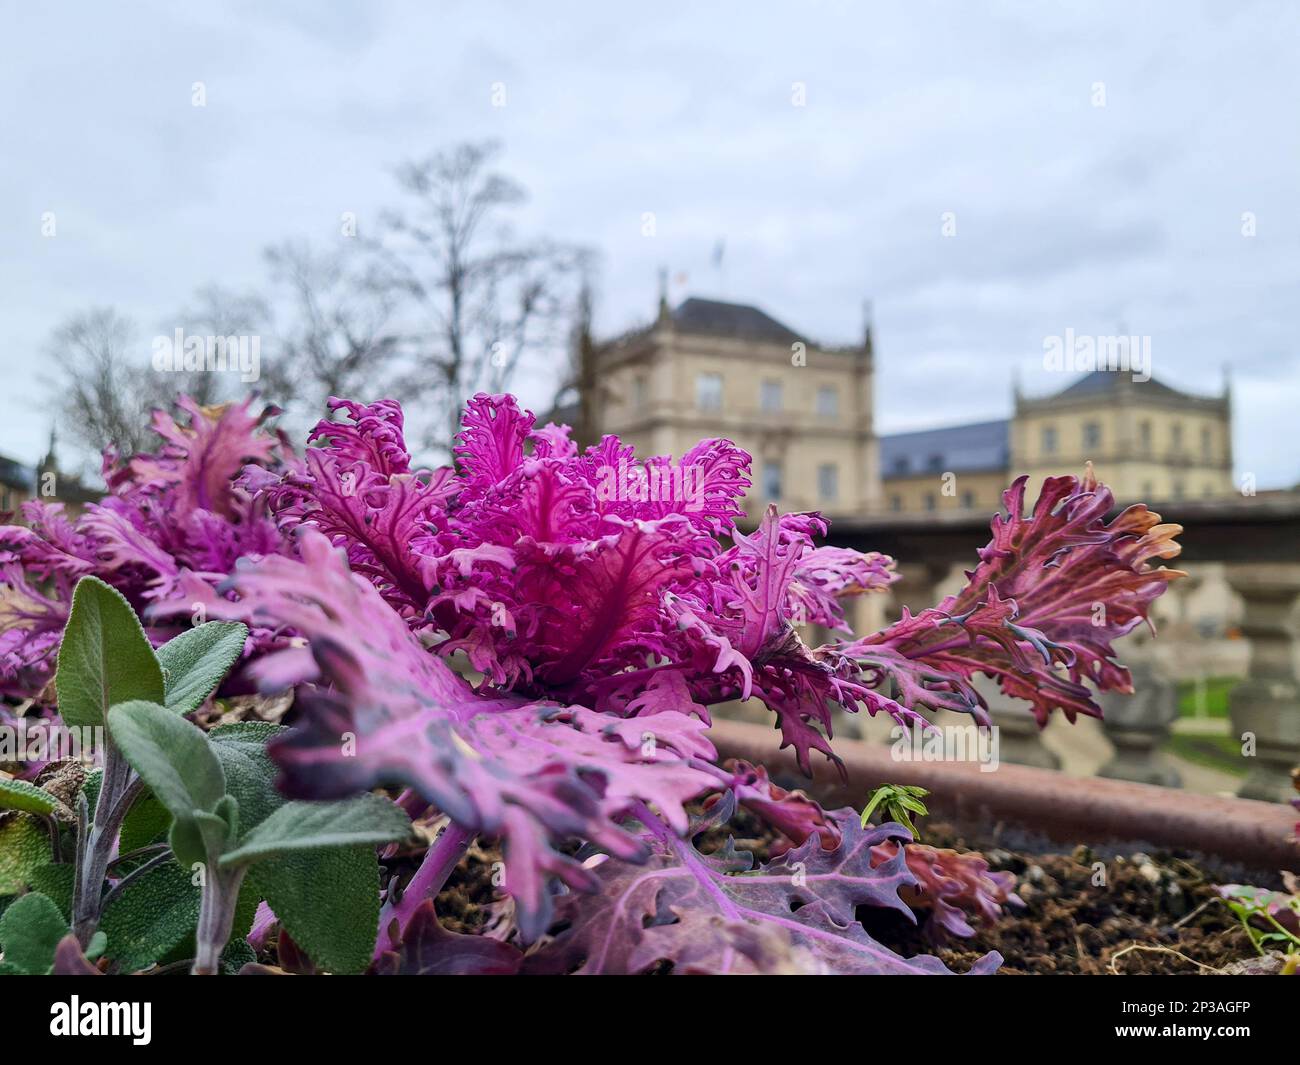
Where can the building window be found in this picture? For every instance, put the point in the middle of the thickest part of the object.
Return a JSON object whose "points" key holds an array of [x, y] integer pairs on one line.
{"points": [[1176, 436], [1207, 443], [934, 463], [1049, 439], [900, 465], [930, 501], [708, 391], [1091, 436], [968, 499], [1144, 436], [4, 499], [772, 481], [770, 396], [828, 402], [1148, 491], [1178, 490], [828, 482], [639, 392], [896, 503]]}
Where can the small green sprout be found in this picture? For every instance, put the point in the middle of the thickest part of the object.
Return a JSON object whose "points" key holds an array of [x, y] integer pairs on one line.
{"points": [[897, 802]]}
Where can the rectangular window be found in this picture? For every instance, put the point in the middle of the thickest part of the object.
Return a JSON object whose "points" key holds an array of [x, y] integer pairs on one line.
{"points": [[1144, 436], [772, 481], [930, 501], [1049, 439], [896, 503], [1091, 436], [1176, 435], [828, 482], [771, 396], [708, 391], [828, 402], [968, 499], [639, 392], [1207, 443]]}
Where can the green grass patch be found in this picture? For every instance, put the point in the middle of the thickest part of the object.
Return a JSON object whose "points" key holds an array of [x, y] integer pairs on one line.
{"points": [[1215, 695], [1222, 753]]}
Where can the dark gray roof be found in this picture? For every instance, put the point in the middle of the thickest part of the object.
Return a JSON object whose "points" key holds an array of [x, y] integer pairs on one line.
{"points": [[16, 475], [956, 448], [1107, 382], [730, 319]]}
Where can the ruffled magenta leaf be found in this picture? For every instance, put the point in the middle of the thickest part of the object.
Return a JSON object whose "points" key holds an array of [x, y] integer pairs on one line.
{"points": [[171, 528]]}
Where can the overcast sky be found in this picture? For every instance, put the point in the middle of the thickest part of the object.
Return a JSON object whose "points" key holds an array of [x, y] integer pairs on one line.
{"points": [[1067, 214]]}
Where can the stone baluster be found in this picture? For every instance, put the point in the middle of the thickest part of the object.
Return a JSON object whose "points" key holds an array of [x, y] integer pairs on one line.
{"points": [[1137, 726], [1020, 740], [1265, 707]]}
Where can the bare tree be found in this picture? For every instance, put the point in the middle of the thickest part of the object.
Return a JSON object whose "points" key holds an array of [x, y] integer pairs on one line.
{"points": [[339, 340], [579, 394], [215, 311], [482, 300], [99, 390]]}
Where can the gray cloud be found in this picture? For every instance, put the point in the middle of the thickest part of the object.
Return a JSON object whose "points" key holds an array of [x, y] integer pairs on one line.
{"points": [[1068, 215]]}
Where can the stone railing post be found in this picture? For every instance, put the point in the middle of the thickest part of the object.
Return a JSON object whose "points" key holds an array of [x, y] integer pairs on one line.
{"points": [[1265, 707], [1137, 726], [1019, 737]]}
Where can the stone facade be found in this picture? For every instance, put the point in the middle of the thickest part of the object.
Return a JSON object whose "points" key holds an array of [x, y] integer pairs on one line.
{"points": [[805, 412], [707, 368], [1148, 441]]}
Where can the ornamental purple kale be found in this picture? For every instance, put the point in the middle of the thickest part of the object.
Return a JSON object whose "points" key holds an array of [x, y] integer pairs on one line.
{"points": [[172, 522], [606, 602]]}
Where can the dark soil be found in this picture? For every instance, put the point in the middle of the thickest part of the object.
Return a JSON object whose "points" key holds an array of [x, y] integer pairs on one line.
{"points": [[1083, 910]]}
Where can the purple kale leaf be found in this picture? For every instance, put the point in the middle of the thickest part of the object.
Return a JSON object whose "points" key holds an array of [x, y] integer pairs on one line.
{"points": [[171, 527], [715, 913], [428, 949], [386, 711], [1054, 589]]}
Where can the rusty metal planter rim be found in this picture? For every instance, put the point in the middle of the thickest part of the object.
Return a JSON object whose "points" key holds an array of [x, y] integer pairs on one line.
{"points": [[1093, 810]]}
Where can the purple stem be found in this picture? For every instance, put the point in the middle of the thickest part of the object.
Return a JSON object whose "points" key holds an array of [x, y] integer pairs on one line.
{"points": [[439, 861]]}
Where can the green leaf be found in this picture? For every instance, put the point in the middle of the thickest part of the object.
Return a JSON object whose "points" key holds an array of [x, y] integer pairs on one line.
{"points": [[20, 795], [329, 902], [250, 773], [24, 848], [90, 789], [236, 955], [197, 660], [200, 838], [298, 826], [105, 657], [146, 822], [154, 913], [55, 882], [172, 756], [30, 930], [95, 948]]}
